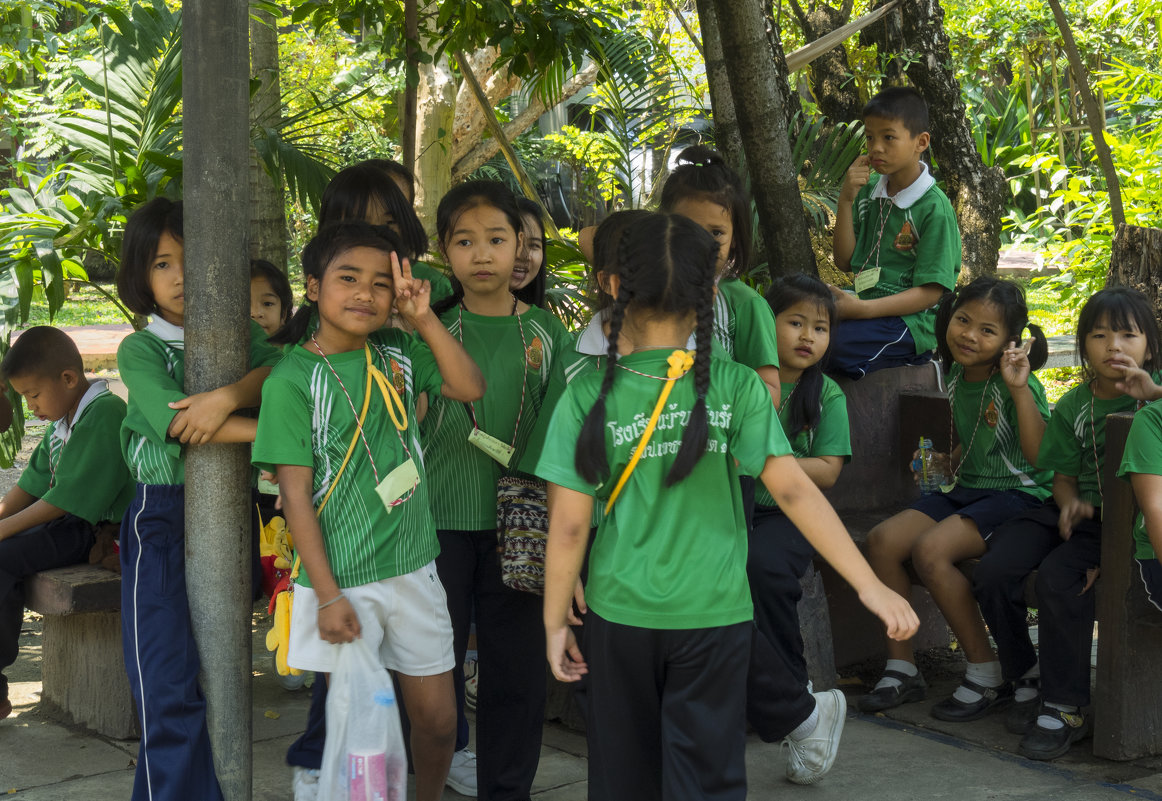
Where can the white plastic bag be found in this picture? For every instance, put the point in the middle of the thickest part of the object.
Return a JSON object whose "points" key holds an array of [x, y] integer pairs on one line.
{"points": [[364, 757]]}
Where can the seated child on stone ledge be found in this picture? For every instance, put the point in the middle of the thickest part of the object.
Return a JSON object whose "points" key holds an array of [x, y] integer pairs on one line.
{"points": [[75, 480]]}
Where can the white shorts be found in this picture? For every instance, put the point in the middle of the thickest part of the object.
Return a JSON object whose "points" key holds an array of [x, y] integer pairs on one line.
{"points": [[404, 618]]}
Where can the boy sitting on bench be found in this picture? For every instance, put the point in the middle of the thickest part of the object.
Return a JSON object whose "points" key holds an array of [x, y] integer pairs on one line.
{"points": [[75, 480]]}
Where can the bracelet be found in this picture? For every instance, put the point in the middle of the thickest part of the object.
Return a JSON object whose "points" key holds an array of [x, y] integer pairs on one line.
{"points": [[334, 600]]}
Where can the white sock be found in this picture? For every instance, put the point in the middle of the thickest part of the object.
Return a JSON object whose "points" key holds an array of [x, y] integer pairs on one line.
{"points": [[1024, 694], [986, 674], [1052, 723], [899, 665], [807, 726]]}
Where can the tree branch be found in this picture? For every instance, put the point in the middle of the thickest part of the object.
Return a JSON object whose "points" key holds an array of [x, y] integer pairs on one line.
{"points": [[484, 149]]}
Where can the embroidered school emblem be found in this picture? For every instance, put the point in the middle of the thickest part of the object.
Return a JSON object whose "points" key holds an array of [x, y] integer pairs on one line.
{"points": [[535, 354], [906, 239], [990, 414], [397, 379]]}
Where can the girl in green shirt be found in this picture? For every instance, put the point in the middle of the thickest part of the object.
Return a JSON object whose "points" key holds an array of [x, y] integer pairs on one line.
{"points": [[999, 413], [468, 449], [669, 610], [1118, 340]]}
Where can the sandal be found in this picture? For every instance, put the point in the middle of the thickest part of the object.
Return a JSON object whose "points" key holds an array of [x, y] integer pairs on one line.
{"points": [[910, 689], [954, 710]]}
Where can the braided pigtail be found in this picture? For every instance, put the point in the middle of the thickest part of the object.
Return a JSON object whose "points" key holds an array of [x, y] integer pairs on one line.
{"points": [[591, 458], [948, 304], [295, 330], [698, 429]]}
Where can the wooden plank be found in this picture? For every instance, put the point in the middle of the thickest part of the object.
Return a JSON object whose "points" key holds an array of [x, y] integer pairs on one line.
{"points": [[1127, 700], [72, 589]]}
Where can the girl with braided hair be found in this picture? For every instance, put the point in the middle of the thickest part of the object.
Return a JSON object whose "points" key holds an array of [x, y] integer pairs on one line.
{"points": [[669, 608]]}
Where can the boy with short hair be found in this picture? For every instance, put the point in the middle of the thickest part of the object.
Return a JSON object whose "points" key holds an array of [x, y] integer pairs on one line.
{"points": [[899, 236], [75, 480]]}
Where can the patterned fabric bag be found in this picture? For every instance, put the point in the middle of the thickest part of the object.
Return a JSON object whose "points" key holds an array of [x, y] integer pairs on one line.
{"points": [[522, 529]]}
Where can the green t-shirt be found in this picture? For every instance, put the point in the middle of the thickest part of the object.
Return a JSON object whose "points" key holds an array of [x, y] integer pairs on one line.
{"points": [[1143, 454], [669, 557], [1075, 440], [152, 365], [441, 286], [831, 437], [307, 419], [913, 238], [79, 468], [990, 443], [744, 325], [463, 477]]}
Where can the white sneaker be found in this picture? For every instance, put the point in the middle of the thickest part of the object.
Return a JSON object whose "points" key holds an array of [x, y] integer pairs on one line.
{"points": [[811, 757], [462, 773], [305, 784]]}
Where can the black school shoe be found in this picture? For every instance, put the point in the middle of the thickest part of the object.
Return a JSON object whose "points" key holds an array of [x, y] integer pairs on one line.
{"points": [[1042, 743], [912, 688], [954, 710], [1022, 715]]}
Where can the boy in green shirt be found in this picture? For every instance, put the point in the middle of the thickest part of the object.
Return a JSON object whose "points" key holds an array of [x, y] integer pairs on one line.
{"points": [[75, 479], [1142, 466], [900, 238]]}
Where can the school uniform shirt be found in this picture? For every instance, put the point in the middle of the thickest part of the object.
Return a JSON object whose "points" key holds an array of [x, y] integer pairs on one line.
{"points": [[307, 419], [668, 557], [441, 286], [744, 325], [152, 365], [1143, 454], [913, 238], [78, 467], [516, 354], [831, 437], [990, 443], [1075, 440]]}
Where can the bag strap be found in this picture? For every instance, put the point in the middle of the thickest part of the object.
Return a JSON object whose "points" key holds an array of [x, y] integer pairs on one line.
{"points": [[374, 375], [680, 362]]}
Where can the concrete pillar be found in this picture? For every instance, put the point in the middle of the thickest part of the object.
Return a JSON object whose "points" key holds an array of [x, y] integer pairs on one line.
{"points": [[215, 92]]}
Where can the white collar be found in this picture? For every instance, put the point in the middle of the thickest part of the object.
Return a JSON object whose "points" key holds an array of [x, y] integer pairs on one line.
{"points": [[62, 429], [907, 196], [167, 332], [593, 342]]}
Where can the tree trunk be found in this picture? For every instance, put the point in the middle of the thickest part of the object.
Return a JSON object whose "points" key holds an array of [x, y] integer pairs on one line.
{"points": [[407, 120], [215, 96], [978, 193], [1094, 113], [761, 105], [726, 133], [435, 111], [832, 83], [268, 233], [1136, 262]]}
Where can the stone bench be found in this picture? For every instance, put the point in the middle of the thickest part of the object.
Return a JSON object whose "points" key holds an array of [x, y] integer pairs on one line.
{"points": [[82, 666]]}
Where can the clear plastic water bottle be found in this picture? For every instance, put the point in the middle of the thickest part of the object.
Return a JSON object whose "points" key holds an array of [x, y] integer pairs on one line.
{"points": [[931, 476]]}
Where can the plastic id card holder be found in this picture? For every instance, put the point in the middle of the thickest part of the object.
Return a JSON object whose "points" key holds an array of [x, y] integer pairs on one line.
{"points": [[867, 279], [500, 451], [399, 482]]}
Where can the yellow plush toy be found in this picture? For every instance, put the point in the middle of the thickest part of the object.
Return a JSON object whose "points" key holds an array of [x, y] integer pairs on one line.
{"points": [[276, 547]]}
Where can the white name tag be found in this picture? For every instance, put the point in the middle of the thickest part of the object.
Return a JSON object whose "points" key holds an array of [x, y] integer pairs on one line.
{"points": [[867, 279], [399, 482], [500, 451]]}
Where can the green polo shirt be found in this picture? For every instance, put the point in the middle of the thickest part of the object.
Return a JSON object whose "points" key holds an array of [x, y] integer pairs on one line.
{"points": [[1143, 454], [744, 325], [668, 557], [913, 238]]}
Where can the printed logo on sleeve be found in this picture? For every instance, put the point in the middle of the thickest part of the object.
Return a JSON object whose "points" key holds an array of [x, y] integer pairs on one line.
{"points": [[397, 379]]}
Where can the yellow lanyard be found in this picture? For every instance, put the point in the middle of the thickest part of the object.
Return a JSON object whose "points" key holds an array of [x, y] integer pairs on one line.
{"points": [[680, 362]]}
